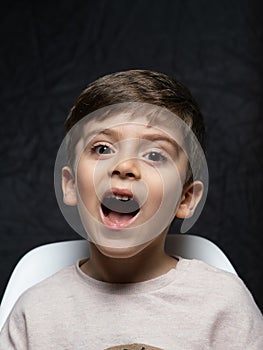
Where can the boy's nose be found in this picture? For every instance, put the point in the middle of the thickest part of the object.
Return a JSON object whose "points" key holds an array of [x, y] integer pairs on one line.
{"points": [[128, 168]]}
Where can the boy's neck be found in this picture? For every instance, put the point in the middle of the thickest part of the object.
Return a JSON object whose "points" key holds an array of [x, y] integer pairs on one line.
{"points": [[149, 263]]}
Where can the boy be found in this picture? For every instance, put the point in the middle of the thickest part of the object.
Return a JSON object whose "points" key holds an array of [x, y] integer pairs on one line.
{"points": [[133, 166]]}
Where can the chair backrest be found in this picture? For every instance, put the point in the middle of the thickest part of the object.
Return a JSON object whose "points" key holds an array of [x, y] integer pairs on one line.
{"points": [[46, 260]]}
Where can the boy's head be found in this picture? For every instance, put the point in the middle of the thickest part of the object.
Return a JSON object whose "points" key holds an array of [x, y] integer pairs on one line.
{"points": [[129, 134]]}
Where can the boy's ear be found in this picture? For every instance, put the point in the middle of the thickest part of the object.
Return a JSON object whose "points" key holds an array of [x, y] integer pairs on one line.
{"points": [[68, 186], [191, 196]]}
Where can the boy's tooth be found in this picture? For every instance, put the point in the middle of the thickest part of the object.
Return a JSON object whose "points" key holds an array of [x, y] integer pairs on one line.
{"points": [[123, 198]]}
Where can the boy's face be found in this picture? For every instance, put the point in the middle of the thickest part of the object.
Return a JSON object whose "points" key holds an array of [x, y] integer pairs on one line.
{"points": [[128, 182]]}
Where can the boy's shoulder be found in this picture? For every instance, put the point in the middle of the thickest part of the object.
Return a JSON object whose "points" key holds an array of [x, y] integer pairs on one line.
{"points": [[225, 287], [208, 276], [57, 285]]}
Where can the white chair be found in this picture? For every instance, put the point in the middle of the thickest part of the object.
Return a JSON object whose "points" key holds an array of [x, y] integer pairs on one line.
{"points": [[45, 260]]}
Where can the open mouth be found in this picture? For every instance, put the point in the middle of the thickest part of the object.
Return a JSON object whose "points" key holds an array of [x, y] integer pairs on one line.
{"points": [[119, 209]]}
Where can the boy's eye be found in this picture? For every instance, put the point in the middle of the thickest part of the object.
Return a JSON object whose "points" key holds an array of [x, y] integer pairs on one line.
{"points": [[155, 157], [102, 149]]}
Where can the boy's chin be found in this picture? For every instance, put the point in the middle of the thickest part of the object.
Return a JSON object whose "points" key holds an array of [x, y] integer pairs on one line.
{"points": [[121, 253]]}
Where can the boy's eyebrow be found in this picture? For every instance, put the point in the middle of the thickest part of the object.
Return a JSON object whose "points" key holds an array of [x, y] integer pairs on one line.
{"points": [[160, 137], [108, 132], [97, 132]]}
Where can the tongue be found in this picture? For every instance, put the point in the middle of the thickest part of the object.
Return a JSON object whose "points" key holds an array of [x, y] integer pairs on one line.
{"points": [[117, 218]]}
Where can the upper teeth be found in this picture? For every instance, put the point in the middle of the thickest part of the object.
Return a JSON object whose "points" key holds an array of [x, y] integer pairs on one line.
{"points": [[122, 198]]}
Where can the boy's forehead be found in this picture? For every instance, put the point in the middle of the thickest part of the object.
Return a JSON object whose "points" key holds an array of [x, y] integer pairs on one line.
{"points": [[137, 125]]}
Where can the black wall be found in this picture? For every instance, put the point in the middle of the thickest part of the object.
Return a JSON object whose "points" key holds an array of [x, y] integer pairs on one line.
{"points": [[50, 50]]}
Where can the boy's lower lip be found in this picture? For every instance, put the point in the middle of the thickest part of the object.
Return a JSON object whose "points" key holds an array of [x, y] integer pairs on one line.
{"points": [[116, 225]]}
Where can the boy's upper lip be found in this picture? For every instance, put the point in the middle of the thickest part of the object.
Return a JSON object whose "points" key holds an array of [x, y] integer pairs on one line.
{"points": [[118, 192]]}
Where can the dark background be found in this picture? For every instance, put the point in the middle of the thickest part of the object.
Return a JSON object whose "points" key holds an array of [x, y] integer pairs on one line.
{"points": [[50, 50]]}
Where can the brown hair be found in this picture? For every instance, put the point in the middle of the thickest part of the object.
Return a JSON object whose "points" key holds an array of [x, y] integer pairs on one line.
{"points": [[139, 86]]}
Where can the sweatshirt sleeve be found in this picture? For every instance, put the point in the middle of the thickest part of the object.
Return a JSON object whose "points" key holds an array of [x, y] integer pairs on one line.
{"points": [[13, 335]]}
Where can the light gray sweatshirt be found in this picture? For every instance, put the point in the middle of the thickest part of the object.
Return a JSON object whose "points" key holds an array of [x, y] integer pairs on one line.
{"points": [[194, 306]]}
